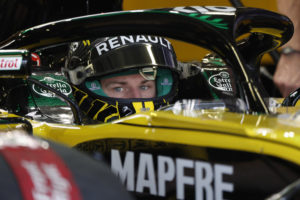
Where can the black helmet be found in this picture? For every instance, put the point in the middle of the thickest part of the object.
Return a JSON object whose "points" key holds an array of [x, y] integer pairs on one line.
{"points": [[89, 62]]}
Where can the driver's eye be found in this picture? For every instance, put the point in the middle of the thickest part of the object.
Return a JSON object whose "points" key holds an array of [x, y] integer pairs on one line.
{"points": [[118, 89], [144, 87]]}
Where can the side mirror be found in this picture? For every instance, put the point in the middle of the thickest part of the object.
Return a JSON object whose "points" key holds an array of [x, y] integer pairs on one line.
{"points": [[15, 63]]}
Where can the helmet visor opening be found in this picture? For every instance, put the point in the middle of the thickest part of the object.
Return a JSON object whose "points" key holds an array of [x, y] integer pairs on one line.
{"points": [[163, 81]]}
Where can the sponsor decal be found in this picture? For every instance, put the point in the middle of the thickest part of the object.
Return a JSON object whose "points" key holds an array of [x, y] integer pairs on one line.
{"points": [[155, 173], [198, 11], [115, 42], [221, 81], [205, 9], [57, 84], [166, 82], [10, 63], [95, 86]]}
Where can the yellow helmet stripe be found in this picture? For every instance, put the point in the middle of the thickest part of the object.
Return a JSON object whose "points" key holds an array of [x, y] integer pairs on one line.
{"points": [[112, 115], [146, 106], [86, 42], [137, 106], [101, 109], [82, 99], [150, 105]]}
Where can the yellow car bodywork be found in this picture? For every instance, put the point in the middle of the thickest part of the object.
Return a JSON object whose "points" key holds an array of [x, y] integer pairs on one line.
{"points": [[277, 135]]}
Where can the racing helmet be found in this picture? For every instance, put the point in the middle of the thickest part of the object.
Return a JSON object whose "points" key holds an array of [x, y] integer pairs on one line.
{"points": [[90, 62]]}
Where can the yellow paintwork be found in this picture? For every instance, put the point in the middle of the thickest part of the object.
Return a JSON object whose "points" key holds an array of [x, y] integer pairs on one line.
{"points": [[271, 31], [265, 134]]}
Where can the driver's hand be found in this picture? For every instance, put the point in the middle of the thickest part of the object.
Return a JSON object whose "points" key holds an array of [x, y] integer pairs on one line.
{"points": [[287, 74]]}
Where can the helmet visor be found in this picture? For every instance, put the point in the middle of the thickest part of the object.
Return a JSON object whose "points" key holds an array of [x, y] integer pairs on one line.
{"points": [[139, 55]]}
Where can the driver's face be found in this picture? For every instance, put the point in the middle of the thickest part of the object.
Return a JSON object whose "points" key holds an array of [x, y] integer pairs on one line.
{"points": [[129, 86]]}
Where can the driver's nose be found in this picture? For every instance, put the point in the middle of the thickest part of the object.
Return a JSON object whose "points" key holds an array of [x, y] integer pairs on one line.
{"points": [[134, 92]]}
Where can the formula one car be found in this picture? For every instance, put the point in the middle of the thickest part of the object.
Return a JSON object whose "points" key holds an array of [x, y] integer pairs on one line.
{"points": [[224, 137]]}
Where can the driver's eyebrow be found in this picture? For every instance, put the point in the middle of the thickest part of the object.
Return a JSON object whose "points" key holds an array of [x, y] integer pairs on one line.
{"points": [[145, 81], [122, 82], [114, 82]]}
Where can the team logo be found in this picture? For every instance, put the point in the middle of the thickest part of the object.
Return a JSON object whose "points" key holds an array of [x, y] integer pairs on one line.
{"points": [[94, 86], [221, 81], [149, 174], [166, 82], [59, 85], [115, 42]]}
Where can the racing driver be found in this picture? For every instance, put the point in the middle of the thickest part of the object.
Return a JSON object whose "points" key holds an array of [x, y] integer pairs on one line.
{"points": [[118, 76]]}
